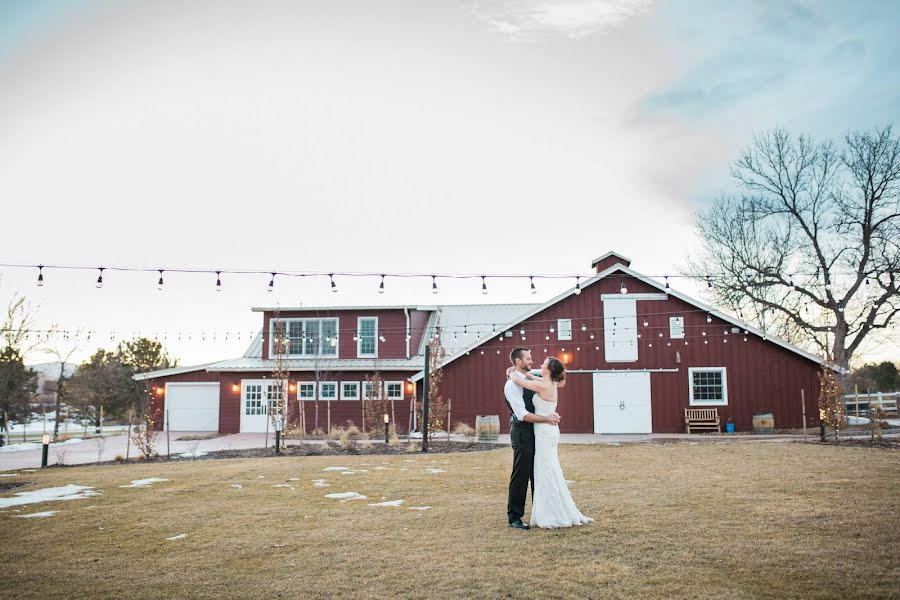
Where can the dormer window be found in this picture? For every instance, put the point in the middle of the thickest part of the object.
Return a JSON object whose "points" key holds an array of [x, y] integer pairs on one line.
{"points": [[303, 337], [367, 337]]}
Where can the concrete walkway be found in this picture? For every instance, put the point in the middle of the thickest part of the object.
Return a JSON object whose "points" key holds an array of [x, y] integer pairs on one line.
{"points": [[86, 451]]}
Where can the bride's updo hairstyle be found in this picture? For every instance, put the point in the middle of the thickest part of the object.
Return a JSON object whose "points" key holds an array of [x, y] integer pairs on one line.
{"points": [[557, 370]]}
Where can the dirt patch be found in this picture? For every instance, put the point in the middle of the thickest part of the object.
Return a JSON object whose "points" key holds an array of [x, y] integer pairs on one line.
{"points": [[11, 485], [861, 443]]}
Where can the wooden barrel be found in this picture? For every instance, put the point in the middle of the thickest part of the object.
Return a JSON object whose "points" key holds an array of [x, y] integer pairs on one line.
{"points": [[487, 428], [763, 422]]}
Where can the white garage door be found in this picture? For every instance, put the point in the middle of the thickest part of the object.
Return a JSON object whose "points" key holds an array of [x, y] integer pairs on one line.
{"points": [[622, 403], [192, 406]]}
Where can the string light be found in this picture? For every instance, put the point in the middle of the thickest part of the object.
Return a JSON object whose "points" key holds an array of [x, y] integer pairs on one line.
{"points": [[218, 281], [159, 284], [434, 289], [708, 318], [533, 289], [667, 284], [271, 283], [708, 282], [40, 280], [334, 287], [381, 285], [622, 288], [577, 285], [100, 279], [483, 285]]}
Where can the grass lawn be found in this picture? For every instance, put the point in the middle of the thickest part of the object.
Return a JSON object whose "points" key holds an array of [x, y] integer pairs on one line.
{"points": [[680, 520]]}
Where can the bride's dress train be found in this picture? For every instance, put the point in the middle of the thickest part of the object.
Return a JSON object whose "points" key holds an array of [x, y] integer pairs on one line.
{"points": [[551, 504]]}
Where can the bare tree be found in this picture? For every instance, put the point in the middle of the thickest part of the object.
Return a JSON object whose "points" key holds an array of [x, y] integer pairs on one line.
{"points": [[63, 348], [811, 250]]}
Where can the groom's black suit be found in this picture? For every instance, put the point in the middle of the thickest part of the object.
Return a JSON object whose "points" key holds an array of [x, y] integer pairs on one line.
{"points": [[521, 434]]}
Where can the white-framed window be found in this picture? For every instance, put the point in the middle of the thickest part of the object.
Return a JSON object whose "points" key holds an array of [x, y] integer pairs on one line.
{"points": [[369, 391], [708, 386], [367, 337], [306, 390], [394, 390], [303, 337], [253, 399], [620, 330], [328, 390], [564, 329], [349, 390]]}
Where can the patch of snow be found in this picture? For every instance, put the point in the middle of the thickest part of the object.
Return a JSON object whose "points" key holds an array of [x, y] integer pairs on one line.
{"points": [[893, 422], [261, 477], [419, 507], [283, 485], [320, 483], [335, 469], [22, 446], [388, 503], [180, 536], [356, 471], [380, 468], [237, 486], [46, 513], [294, 479], [344, 496], [142, 483], [854, 420], [66, 492], [9, 475], [569, 481], [192, 455], [436, 470]]}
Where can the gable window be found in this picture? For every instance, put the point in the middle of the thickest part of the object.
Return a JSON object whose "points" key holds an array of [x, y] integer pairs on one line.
{"points": [[367, 337], [304, 337], [350, 390], [394, 390], [709, 386]]}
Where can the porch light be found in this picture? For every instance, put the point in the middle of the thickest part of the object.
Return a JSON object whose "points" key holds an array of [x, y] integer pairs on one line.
{"points": [[292, 387], [565, 358], [410, 387], [159, 391], [235, 388]]}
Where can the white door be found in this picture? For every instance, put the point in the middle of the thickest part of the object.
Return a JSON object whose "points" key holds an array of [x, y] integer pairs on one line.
{"points": [[622, 403], [192, 406], [257, 396]]}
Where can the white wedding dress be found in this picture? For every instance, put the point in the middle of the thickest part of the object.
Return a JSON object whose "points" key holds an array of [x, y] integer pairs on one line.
{"points": [[551, 504]]}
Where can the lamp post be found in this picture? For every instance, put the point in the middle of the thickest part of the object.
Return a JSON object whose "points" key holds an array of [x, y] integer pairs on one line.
{"points": [[45, 443], [386, 423]]}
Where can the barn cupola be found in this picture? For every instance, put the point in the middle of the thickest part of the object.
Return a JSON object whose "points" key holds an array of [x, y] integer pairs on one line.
{"points": [[609, 259]]}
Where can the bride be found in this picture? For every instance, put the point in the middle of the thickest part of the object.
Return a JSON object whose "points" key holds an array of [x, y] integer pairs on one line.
{"points": [[551, 502]]}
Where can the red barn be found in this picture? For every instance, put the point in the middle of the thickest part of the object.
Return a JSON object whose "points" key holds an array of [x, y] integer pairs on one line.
{"points": [[637, 353]]}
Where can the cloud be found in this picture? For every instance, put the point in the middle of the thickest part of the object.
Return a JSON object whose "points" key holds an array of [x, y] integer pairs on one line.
{"points": [[525, 19]]}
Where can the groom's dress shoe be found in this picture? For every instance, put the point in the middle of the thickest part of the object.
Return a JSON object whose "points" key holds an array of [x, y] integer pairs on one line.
{"points": [[518, 524]]}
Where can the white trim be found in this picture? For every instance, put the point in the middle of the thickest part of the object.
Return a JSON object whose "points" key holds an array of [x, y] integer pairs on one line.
{"points": [[607, 255], [359, 321], [613, 269], [355, 385], [314, 390], [692, 401], [387, 394], [336, 390], [171, 371], [337, 334], [362, 390], [634, 296]]}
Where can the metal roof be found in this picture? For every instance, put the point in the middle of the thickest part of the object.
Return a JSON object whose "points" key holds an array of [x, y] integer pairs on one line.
{"points": [[332, 308], [480, 320], [256, 347], [170, 372]]}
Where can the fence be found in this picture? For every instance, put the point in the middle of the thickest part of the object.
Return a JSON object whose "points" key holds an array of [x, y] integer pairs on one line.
{"points": [[864, 403]]}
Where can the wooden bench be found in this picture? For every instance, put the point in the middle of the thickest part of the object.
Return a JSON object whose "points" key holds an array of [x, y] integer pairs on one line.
{"points": [[702, 418]]}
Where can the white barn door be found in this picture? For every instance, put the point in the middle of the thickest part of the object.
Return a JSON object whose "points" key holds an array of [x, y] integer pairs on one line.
{"points": [[192, 406], [620, 330], [622, 403]]}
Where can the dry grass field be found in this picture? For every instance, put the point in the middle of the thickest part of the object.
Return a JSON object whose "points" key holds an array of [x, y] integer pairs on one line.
{"points": [[680, 520]]}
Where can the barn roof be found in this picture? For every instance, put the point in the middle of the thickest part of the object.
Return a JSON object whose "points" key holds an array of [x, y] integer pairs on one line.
{"points": [[618, 267]]}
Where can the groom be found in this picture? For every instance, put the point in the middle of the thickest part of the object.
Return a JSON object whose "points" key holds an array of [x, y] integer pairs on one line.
{"points": [[521, 434]]}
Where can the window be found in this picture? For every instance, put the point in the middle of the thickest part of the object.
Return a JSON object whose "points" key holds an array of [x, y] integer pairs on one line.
{"points": [[370, 392], [620, 330], [304, 337], [676, 328], [708, 386], [367, 337], [306, 391], [253, 404], [394, 390], [328, 390], [350, 390]]}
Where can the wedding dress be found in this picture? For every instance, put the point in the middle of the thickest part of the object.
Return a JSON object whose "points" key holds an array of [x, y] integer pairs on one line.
{"points": [[551, 503]]}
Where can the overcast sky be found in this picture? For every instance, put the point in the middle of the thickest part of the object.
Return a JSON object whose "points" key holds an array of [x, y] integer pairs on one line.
{"points": [[398, 136]]}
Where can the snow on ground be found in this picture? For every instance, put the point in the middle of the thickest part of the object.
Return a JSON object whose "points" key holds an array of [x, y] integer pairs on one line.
{"points": [[180, 536], [388, 503], [320, 483], [196, 454], [344, 496], [66, 492], [9, 474], [419, 507], [283, 485], [22, 446], [237, 486], [335, 469], [852, 420], [46, 513], [436, 470], [893, 422], [351, 472], [142, 483]]}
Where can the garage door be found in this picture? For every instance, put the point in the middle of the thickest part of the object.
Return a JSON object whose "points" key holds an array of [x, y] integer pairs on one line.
{"points": [[193, 406], [622, 403]]}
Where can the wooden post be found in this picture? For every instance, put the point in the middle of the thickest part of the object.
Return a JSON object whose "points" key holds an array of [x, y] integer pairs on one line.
{"points": [[168, 441], [128, 439], [426, 383], [393, 415], [856, 400], [449, 402], [412, 416], [362, 407], [803, 403], [328, 428]]}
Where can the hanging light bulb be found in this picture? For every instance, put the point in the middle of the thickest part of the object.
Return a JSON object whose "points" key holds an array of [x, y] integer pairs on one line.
{"points": [[40, 280], [493, 329], [434, 289], [522, 331], [708, 318], [577, 285], [622, 288], [333, 284], [159, 284], [271, 283], [483, 285], [218, 281], [791, 281], [708, 282], [583, 327], [381, 337], [667, 284], [533, 289], [592, 335], [100, 279], [356, 336], [646, 323], [381, 285]]}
